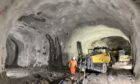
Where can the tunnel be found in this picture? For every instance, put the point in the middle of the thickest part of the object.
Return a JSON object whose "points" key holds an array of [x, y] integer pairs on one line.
{"points": [[43, 33]]}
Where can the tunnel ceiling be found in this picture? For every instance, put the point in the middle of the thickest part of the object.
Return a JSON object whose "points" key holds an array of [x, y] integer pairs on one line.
{"points": [[45, 27]]}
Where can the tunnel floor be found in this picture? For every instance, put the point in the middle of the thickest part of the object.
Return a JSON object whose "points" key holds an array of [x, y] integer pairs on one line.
{"points": [[112, 77]]}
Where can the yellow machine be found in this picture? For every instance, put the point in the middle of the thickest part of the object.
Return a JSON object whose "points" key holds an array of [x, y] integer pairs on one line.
{"points": [[101, 58], [97, 59], [99, 55]]}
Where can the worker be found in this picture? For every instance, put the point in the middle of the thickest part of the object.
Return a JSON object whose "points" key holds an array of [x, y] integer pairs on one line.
{"points": [[72, 66]]}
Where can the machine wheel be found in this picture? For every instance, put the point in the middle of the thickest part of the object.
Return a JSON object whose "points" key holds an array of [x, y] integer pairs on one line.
{"points": [[104, 70]]}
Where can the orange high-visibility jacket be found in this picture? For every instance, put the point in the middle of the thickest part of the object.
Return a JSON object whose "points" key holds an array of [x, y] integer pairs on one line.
{"points": [[72, 66]]}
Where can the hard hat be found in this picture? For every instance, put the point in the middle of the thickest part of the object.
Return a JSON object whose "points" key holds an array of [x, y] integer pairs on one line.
{"points": [[71, 78], [73, 57]]}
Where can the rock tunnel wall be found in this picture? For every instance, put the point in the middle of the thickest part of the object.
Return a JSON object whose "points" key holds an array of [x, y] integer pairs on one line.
{"points": [[44, 27]]}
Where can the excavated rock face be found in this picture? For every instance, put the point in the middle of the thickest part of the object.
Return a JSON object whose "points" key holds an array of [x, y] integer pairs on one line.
{"points": [[36, 33]]}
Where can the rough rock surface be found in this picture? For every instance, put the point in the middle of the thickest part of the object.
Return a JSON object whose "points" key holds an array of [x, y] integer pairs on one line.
{"points": [[39, 30]]}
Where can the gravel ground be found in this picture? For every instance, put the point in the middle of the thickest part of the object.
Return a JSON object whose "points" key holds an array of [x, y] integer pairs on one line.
{"points": [[114, 77]]}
